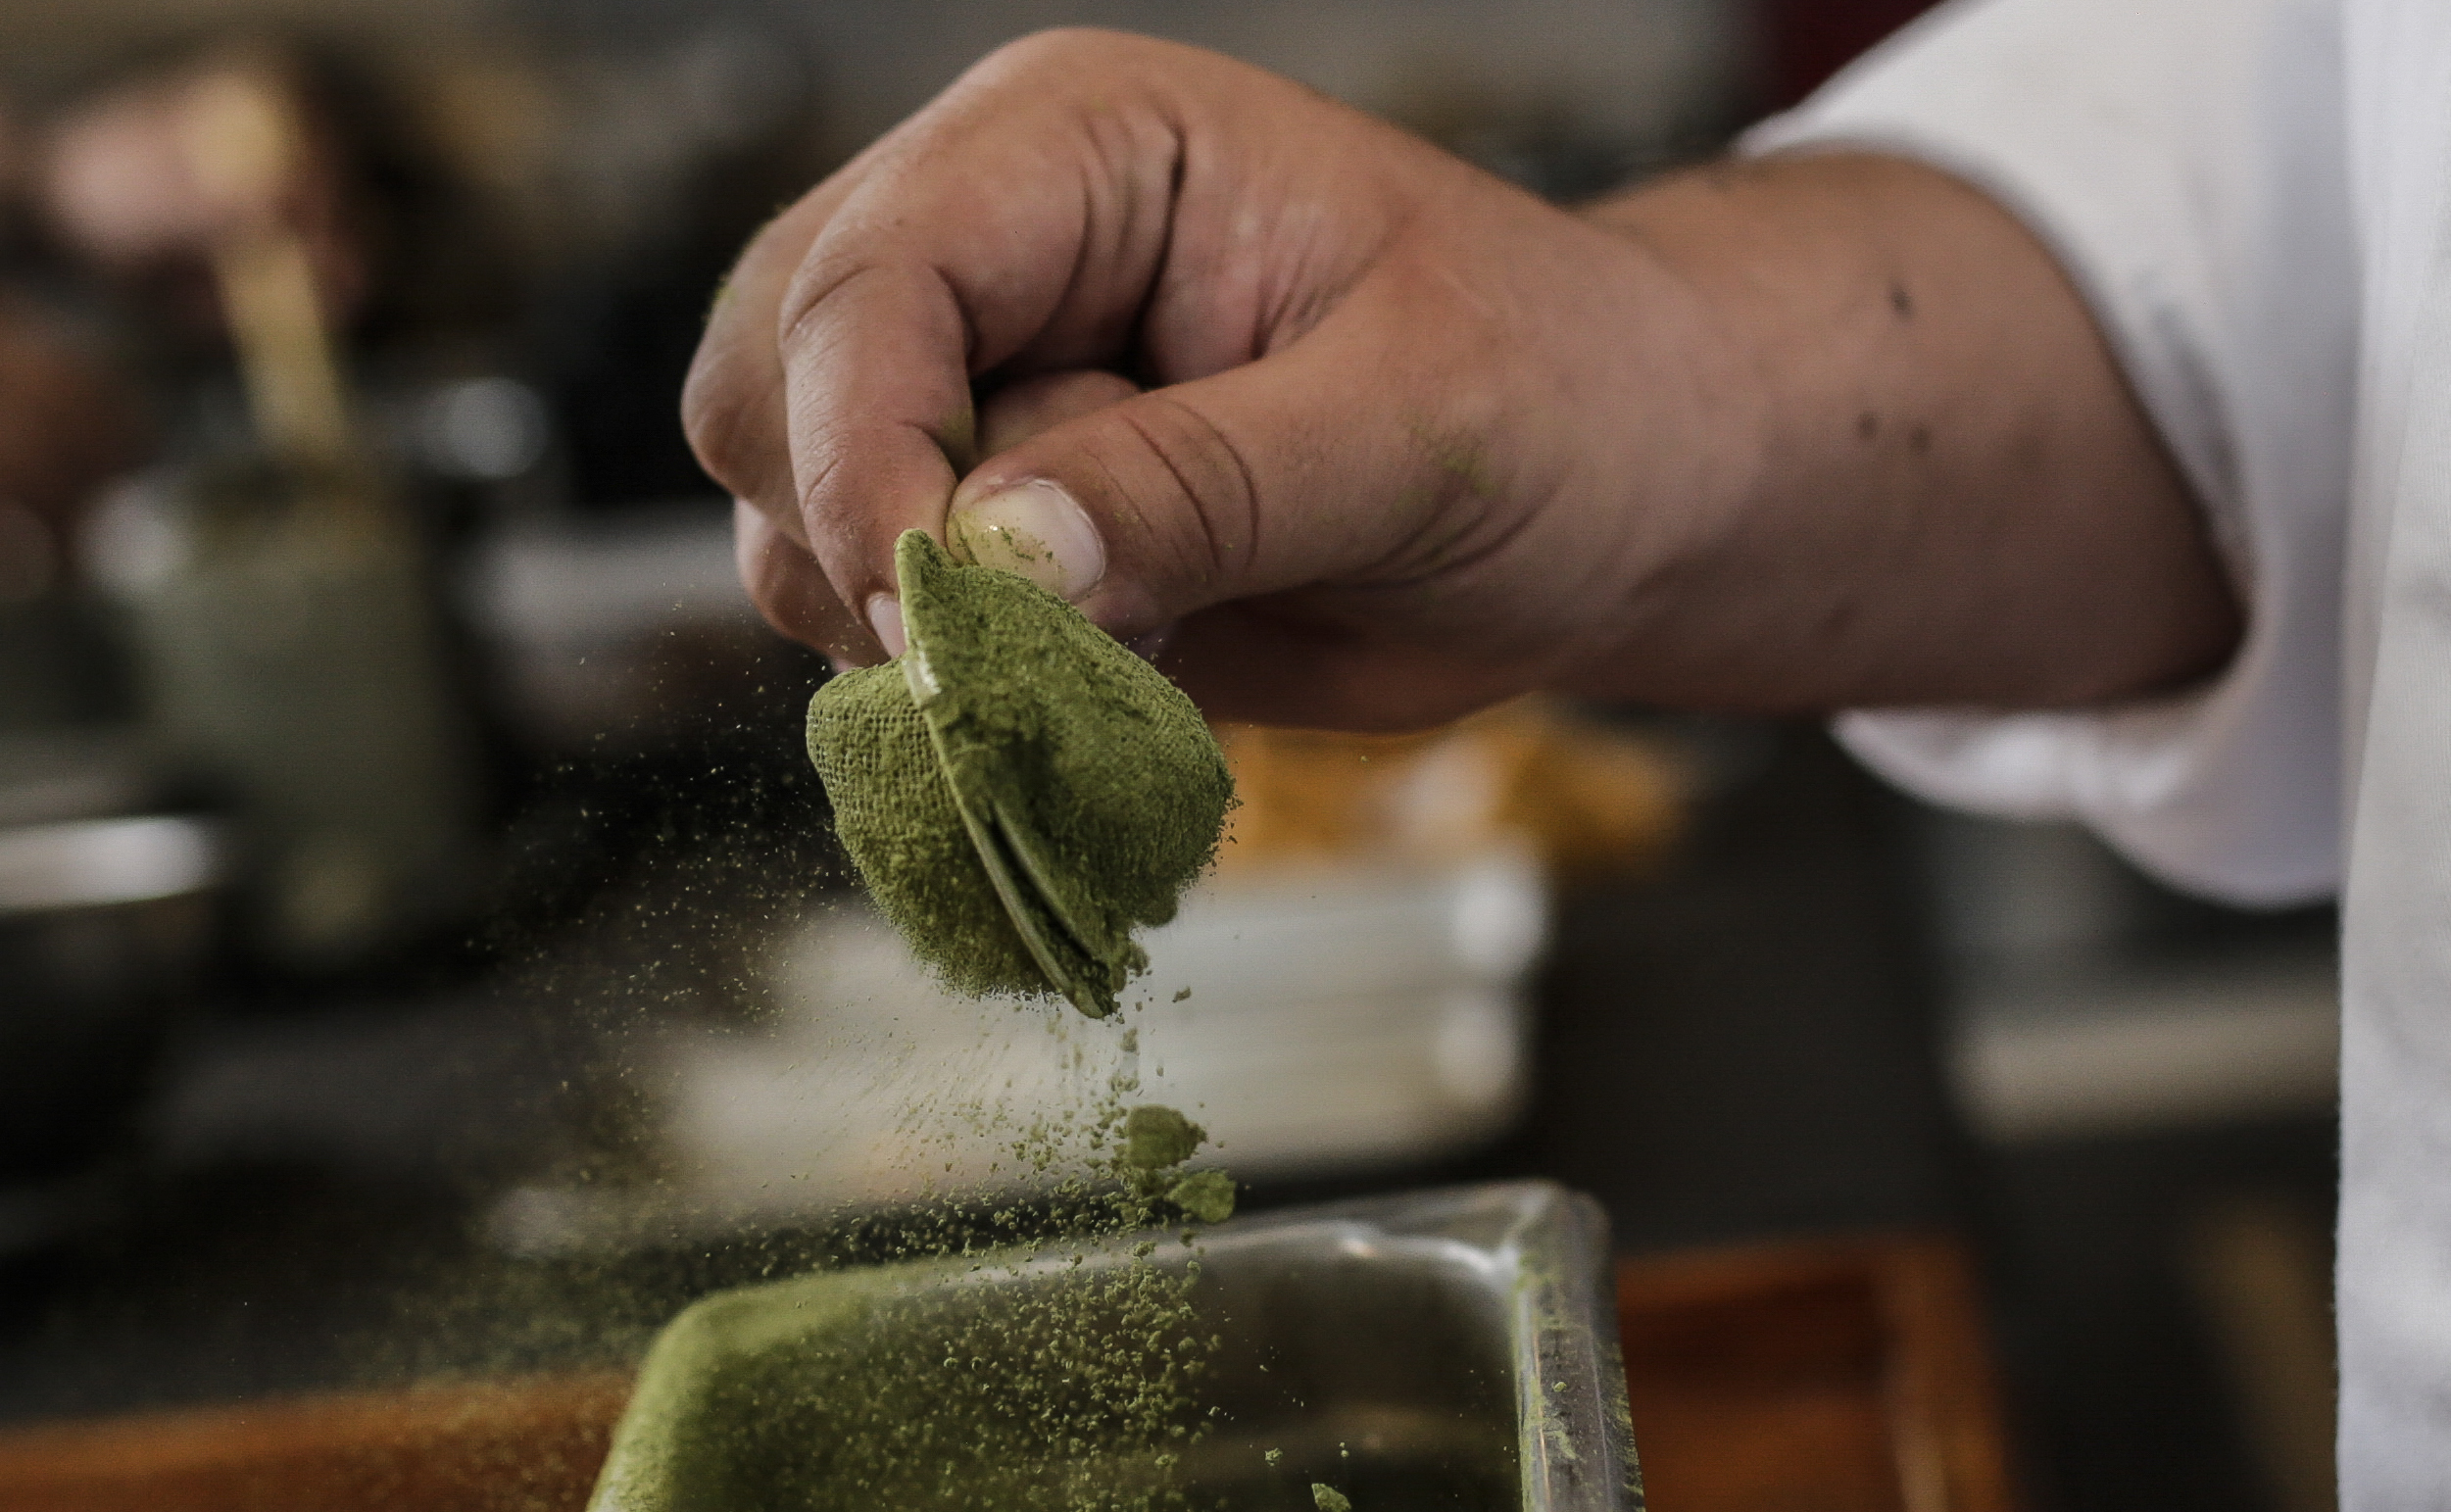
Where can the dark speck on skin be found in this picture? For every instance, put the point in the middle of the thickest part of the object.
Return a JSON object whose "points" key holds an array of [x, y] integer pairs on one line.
{"points": [[1919, 440], [1901, 302], [1867, 425]]}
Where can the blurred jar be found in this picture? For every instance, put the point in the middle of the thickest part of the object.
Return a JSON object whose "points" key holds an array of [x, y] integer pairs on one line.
{"points": [[290, 657]]}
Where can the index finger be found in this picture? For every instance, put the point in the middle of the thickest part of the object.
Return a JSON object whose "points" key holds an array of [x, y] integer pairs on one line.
{"points": [[1019, 223], [732, 401]]}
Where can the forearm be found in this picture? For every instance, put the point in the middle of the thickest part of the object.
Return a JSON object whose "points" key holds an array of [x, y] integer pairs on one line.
{"points": [[1924, 479]]}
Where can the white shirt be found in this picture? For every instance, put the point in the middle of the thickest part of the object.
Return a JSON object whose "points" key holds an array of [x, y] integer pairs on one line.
{"points": [[2255, 198]]}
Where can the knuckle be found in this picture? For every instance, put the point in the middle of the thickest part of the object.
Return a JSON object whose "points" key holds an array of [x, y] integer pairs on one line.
{"points": [[1056, 48], [703, 406], [760, 579], [784, 586], [781, 615], [722, 420], [1188, 455], [829, 271]]}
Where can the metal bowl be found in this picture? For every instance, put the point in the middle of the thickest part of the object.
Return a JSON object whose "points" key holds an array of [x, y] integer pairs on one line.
{"points": [[104, 926]]}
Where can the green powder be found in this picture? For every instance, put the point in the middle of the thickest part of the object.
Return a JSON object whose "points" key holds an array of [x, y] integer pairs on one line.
{"points": [[940, 1384], [1154, 1136], [1018, 1380], [1018, 791], [1208, 1196], [1155, 1140], [1329, 1500]]}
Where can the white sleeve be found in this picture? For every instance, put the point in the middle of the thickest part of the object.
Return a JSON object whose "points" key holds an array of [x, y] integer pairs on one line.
{"points": [[2184, 160]]}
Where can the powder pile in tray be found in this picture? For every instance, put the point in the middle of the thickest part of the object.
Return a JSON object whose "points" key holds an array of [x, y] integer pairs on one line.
{"points": [[1018, 791], [1021, 1380]]}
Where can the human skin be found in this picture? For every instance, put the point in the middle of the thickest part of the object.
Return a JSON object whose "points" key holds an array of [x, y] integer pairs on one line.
{"points": [[1370, 439]]}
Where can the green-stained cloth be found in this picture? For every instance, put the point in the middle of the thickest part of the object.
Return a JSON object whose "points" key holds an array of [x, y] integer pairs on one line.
{"points": [[1018, 791]]}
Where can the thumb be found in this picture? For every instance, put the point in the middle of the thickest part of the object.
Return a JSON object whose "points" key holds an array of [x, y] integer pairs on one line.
{"points": [[1301, 469]]}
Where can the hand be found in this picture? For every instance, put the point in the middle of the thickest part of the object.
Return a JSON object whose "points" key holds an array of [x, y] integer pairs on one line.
{"points": [[1414, 441], [1364, 355]]}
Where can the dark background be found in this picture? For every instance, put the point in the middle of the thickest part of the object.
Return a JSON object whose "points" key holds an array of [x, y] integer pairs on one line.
{"points": [[1760, 1040]]}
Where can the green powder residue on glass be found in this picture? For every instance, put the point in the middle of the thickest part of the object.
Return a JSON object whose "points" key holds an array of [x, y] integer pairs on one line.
{"points": [[1329, 1500], [1018, 791]]}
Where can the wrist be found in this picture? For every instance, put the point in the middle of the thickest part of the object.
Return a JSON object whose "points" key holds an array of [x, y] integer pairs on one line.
{"points": [[1672, 438]]}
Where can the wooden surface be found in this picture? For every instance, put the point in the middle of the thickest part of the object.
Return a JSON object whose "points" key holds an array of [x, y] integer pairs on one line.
{"points": [[512, 1447], [1837, 1377], [1840, 1376]]}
